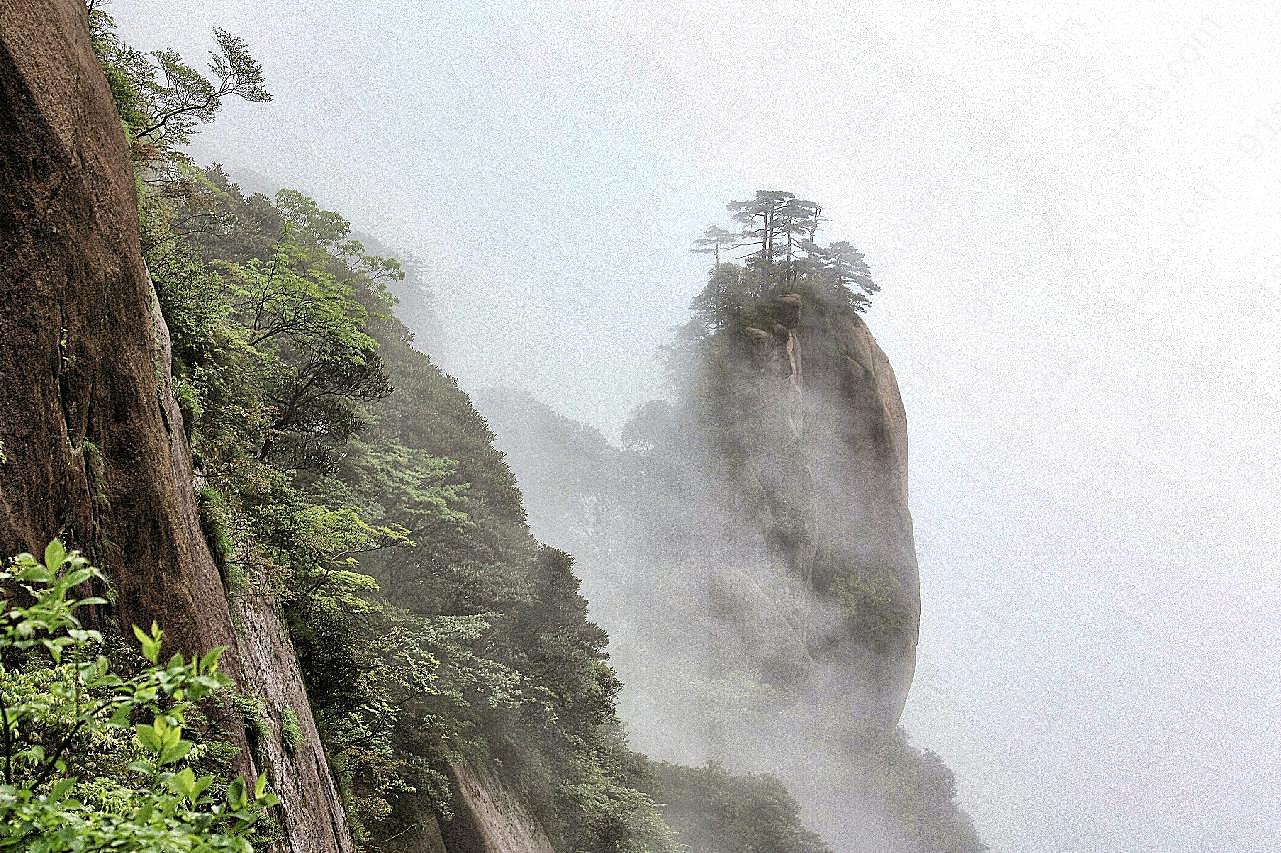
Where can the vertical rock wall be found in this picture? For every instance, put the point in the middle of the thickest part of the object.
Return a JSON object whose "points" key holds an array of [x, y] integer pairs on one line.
{"points": [[490, 818], [751, 554], [838, 474], [91, 441]]}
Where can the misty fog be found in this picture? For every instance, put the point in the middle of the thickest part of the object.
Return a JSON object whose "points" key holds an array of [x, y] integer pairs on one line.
{"points": [[1073, 216]]}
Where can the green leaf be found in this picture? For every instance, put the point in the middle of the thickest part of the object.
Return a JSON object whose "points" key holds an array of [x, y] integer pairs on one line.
{"points": [[199, 788], [209, 663], [236, 796], [33, 572], [55, 553], [183, 782], [152, 737], [76, 577], [60, 789], [150, 642], [175, 752]]}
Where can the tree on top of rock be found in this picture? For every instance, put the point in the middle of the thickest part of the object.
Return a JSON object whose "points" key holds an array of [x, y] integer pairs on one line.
{"points": [[783, 231]]}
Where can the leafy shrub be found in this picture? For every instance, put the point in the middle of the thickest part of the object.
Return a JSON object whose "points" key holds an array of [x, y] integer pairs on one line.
{"points": [[253, 711], [94, 759], [714, 811]]}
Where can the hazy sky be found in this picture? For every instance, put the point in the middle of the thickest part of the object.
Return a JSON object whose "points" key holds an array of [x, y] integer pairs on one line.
{"points": [[1075, 215]]}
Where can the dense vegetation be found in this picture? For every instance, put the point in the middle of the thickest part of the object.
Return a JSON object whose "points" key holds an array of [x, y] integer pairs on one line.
{"points": [[782, 232], [350, 479], [351, 484], [93, 753], [714, 811]]}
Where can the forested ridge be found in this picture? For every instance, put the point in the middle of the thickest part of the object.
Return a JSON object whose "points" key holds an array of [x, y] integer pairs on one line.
{"points": [[350, 479], [347, 482], [750, 542], [349, 489]]}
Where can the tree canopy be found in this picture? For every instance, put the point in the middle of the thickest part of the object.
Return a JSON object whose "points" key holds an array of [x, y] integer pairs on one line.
{"points": [[781, 231]]}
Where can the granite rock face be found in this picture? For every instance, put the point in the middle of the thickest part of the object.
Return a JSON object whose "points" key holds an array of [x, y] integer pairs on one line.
{"points": [[489, 817], [829, 480], [750, 551], [92, 445]]}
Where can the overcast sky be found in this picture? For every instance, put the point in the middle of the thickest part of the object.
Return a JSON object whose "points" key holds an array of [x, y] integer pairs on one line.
{"points": [[1076, 219]]}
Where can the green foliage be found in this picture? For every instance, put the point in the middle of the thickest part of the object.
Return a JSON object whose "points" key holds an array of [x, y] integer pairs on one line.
{"points": [[312, 359], [291, 730], [353, 481], [275, 362], [214, 522], [919, 790], [429, 625], [94, 759], [872, 603], [162, 99], [782, 230], [613, 816], [272, 353], [713, 811], [253, 712]]}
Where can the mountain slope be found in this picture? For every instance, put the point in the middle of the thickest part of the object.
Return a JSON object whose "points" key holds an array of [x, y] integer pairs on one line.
{"points": [[94, 447], [750, 551]]}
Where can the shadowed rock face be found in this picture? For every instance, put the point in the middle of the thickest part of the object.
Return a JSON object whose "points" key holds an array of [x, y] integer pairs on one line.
{"points": [[490, 818], [86, 426], [828, 480], [750, 553], [92, 445]]}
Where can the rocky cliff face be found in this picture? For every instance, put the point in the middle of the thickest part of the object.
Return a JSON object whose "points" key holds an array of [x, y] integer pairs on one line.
{"points": [[490, 818], [92, 446], [750, 552], [826, 478]]}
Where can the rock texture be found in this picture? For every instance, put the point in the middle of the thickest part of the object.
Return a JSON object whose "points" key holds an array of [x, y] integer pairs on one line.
{"points": [[750, 553], [311, 811], [490, 818], [833, 485], [88, 441], [92, 446]]}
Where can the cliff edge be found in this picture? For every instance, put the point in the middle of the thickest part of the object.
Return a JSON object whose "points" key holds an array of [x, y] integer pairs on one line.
{"points": [[750, 550], [824, 474], [92, 446]]}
